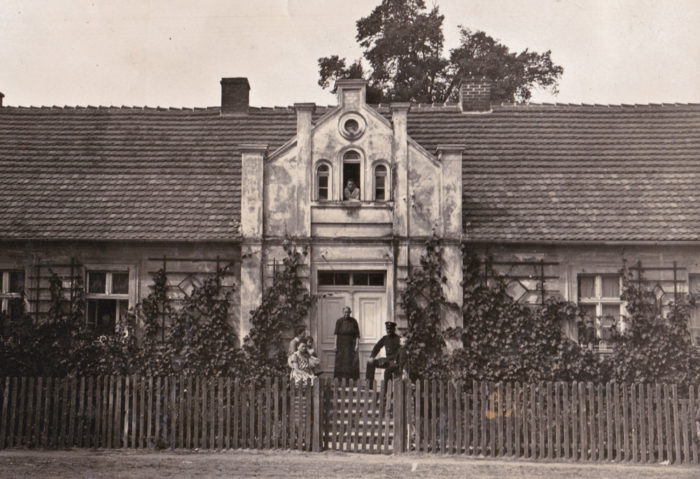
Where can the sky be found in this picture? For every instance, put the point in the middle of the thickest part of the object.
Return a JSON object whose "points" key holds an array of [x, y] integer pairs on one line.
{"points": [[174, 52]]}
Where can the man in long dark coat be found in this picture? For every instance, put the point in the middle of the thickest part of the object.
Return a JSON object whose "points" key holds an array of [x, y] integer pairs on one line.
{"points": [[347, 337]]}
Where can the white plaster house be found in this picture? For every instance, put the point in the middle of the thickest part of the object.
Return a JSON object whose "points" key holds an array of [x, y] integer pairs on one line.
{"points": [[560, 195]]}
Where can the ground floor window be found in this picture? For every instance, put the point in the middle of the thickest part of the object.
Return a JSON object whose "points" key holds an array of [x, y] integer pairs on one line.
{"points": [[107, 299], [12, 294], [351, 278], [599, 300]]}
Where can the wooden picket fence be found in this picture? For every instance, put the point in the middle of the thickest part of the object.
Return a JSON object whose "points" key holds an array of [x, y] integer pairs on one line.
{"points": [[140, 412], [638, 423]]}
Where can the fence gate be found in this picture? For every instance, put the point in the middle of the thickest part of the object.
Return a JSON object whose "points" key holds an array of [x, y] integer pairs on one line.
{"points": [[357, 417]]}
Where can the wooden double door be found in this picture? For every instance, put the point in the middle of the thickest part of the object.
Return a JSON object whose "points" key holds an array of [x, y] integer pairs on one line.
{"points": [[369, 307]]}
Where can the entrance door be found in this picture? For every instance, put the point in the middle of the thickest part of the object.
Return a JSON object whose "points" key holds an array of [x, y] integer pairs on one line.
{"points": [[368, 304]]}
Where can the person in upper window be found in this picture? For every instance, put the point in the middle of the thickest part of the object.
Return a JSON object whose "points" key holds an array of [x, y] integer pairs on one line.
{"points": [[351, 192]]}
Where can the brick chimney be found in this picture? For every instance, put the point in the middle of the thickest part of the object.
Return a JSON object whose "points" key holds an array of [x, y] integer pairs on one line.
{"points": [[234, 95], [475, 94], [1, 97]]}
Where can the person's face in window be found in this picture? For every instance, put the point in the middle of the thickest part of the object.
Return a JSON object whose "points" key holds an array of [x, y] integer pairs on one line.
{"points": [[351, 185]]}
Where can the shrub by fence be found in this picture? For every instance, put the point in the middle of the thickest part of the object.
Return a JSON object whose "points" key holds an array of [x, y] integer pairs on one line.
{"points": [[571, 421]]}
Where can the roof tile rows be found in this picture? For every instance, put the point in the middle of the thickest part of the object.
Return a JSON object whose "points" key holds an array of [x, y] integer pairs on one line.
{"points": [[530, 172]]}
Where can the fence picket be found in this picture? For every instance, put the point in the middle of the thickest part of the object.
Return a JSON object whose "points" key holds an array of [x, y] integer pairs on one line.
{"points": [[20, 419], [127, 412], [542, 424], [651, 424], [550, 422], [590, 419], [96, 433], [601, 423], [13, 414], [659, 423], [47, 410], [667, 423], [634, 423], [80, 420], [676, 424], [4, 419], [268, 412], [142, 403], [236, 410], [618, 422], [213, 413], [204, 413], [259, 404], [685, 420], [518, 413], [534, 453], [431, 405], [220, 413], [450, 428], [438, 419], [609, 429], [35, 430], [692, 415], [625, 422], [573, 417], [285, 411], [175, 386], [641, 405]]}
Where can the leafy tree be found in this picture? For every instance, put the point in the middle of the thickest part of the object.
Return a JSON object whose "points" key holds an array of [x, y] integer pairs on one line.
{"points": [[285, 307], [655, 345], [403, 44], [423, 301]]}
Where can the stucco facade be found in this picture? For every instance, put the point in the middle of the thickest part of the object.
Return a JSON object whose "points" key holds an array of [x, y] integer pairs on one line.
{"points": [[371, 240]]}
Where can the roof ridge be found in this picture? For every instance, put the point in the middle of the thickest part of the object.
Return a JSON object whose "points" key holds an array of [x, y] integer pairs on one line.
{"points": [[596, 105]]}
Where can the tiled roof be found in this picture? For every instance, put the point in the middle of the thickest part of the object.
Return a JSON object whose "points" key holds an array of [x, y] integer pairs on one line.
{"points": [[127, 173], [574, 172], [531, 173]]}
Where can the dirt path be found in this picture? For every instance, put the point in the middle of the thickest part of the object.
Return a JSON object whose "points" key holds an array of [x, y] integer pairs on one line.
{"points": [[269, 464]]}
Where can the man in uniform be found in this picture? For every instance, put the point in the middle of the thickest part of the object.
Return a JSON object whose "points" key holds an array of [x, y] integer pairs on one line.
{"points": [[391, 342]]}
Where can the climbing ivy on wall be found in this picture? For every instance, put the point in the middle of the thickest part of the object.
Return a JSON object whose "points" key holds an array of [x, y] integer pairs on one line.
{"points": [[423, 302], [655, 345], [284, 308], [503, 340]]}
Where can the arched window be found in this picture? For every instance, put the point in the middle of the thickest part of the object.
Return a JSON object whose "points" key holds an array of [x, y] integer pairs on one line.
{"points": [[352, 178], [323, 188], [380, 183]]}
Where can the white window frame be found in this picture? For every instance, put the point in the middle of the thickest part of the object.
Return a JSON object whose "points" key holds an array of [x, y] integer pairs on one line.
{"points": [[109, 270], [599, 300], [387, 181], [327, 164], [5, 294]]}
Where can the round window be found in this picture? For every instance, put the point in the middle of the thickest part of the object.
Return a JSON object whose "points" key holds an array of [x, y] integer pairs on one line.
{"points": [[351, 125]]}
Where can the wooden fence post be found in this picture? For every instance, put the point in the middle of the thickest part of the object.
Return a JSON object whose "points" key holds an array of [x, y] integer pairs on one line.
{"points": [[317, 426], [397, 400]]}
